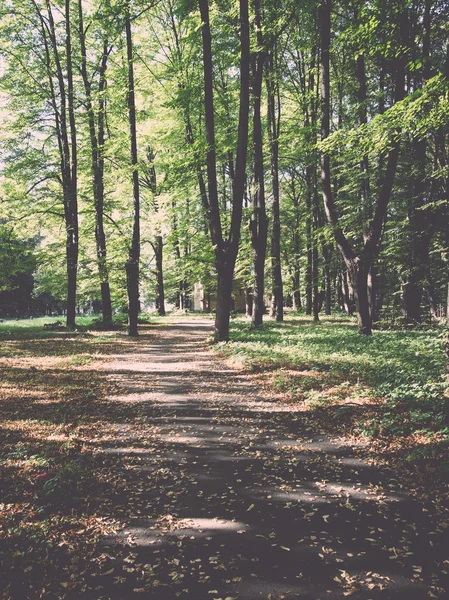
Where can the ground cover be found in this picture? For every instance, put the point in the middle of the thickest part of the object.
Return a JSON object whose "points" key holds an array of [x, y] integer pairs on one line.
{"points": [[51, 395], [152, 468], [389, 388]]}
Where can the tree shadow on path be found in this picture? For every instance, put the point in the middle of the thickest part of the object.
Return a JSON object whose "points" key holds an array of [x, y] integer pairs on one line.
{"points": [[228, 500]]}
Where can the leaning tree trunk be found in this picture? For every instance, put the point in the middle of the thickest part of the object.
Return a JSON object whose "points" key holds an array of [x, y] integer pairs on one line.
{"points": [[132, 264], [358, 265]]}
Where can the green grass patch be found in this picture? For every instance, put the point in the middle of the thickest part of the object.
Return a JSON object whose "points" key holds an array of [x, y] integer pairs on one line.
{"points": [[389, 384]]}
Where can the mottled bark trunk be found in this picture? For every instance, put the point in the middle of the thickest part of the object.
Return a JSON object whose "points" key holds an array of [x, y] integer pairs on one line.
{"points": [[347, 294], [358, 273], [373, 294], [296, 273], [249, 302], [72, 268]]}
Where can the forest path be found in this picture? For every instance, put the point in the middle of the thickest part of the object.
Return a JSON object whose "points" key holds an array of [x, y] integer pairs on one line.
{"points": [[229, 495]]}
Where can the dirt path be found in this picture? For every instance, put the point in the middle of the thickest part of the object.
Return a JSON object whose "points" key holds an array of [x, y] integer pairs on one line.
{"points": [[230, 496]]}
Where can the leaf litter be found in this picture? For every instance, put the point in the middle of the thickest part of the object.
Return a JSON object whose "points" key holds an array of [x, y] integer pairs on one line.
{"points": [[168, 473]]}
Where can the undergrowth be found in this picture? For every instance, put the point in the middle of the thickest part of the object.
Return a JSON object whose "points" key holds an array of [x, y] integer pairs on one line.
{"points": [[390, 385]]}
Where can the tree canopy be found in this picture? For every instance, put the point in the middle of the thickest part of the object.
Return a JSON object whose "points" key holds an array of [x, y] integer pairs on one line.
{"points": [[286, 154]]}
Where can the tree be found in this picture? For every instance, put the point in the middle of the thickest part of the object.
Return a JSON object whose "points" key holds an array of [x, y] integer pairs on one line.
{"points": [[358, 264], [132, 263], [225, 250], [97, 139]]}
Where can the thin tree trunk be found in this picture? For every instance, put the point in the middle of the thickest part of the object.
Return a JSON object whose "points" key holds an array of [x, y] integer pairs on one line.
{"points": [[327, 279], [418, 220], [132, 263], [273, 129], [347, 294], [97, 164], [64, 114], [160, 295], [296, 276], [309, 242], [72, 200], [315, 259], [259, 223]]}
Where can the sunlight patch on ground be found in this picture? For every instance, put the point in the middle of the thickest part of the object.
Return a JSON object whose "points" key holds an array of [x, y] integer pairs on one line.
{"points": [[156, 532]]}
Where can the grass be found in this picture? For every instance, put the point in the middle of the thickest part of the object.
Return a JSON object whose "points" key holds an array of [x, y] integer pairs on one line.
{"points": [[389, 386], [61, 493]]}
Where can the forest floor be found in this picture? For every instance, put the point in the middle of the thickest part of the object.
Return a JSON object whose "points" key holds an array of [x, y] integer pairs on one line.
{"points": [[158, 468]]}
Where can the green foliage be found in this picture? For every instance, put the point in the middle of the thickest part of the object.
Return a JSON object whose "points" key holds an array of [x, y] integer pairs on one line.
{"points": [[405, 369], [16, 259]]}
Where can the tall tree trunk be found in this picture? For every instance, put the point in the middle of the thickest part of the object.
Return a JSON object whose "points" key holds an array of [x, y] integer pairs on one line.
{"points": [[315, 258], [259, 223], [418, 218], [96, 135], [273, 130], [149, 181], [160, 295], [62, 102], [296, 274], [225, 249], [132, 264], [72, 191], [309, 242]]}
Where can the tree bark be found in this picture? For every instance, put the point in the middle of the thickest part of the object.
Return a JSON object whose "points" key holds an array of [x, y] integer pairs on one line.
{"points": [[225, 249], [160, 295], [309, 242], [132, 263], [96, 134], [327, 279], [62, 102], [273, 131], [259, 223], [296, 274], [358, 265], [315, 259], [420, 234]]}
